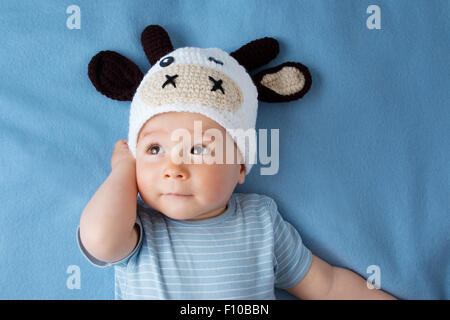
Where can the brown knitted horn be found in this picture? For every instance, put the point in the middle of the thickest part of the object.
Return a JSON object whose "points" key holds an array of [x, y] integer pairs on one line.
{"points": [[156, 43], [256, 53]]}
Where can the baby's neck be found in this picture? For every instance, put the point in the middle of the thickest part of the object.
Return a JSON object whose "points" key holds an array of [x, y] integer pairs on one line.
{"points": [[212, 214]]}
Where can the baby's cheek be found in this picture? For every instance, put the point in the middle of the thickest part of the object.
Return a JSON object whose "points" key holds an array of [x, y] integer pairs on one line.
{"points": [[144, 180], [219, 180]]}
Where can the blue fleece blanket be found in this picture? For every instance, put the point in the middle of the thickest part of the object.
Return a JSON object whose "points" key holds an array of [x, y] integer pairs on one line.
{"points": [[364, 169]]}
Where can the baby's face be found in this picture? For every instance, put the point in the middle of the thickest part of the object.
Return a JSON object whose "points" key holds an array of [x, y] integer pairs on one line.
{"points": [[159, 172]]}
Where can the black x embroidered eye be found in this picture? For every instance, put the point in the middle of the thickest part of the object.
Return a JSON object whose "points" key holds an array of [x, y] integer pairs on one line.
{"points": [[166, 61], [215, 60], [171, 80], [217, 84]]}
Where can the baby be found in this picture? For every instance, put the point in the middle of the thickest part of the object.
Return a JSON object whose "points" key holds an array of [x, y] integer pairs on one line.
{"points": [[174, 229]]}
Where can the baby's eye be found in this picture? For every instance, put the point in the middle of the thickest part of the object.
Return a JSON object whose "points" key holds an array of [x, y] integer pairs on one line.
{"points": [[199, 149], [154, 147]]}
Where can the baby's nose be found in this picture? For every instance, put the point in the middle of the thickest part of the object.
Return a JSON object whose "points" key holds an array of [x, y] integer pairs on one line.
{"points": [[175, 173]]}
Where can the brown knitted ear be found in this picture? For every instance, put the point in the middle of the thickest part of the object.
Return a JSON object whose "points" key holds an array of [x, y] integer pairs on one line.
{"points": [[114, 75], [156, 43], [256, 53], [285, 82]]}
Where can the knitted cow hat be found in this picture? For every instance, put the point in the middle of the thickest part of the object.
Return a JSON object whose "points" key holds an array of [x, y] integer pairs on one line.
{"points": [[207, 81]]}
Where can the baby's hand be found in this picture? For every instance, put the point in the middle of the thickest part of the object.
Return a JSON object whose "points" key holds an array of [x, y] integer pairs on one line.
{"points": [[122, 154]]}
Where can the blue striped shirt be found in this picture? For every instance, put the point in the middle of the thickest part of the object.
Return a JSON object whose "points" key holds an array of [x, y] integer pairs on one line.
{"points": [[244, 253]]}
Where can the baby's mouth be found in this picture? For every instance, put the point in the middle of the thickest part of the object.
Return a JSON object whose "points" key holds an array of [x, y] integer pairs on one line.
{"points": [[178, 195]]}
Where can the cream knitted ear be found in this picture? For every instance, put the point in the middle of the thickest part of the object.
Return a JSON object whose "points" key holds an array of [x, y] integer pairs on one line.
{"points": [[287, 81]]}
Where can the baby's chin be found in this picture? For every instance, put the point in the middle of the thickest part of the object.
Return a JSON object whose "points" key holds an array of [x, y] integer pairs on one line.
{"points": [[178, 208], [179, 214]]}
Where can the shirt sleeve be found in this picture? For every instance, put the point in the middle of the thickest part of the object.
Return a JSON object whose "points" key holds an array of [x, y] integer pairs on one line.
{"points": [[292, 258], [102, 264]]}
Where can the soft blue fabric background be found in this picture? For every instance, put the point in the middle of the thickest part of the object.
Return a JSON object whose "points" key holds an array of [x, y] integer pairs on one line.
{"points": [[364, 159]]}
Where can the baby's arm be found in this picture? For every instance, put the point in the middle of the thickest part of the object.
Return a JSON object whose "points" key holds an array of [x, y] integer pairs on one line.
{"points": [[107, 224], [324, 282]]}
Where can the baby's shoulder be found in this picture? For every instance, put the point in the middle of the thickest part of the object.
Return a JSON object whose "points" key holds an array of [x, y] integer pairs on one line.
{"points": [[254, 203], [261, 203], [252, 199]]}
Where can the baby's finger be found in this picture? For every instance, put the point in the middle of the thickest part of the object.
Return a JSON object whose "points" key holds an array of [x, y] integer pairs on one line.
{"points": [[120, 143], [125, 144]]}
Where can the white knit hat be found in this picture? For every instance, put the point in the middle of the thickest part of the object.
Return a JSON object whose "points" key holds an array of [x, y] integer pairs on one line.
{"points": [[207, 81]]}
